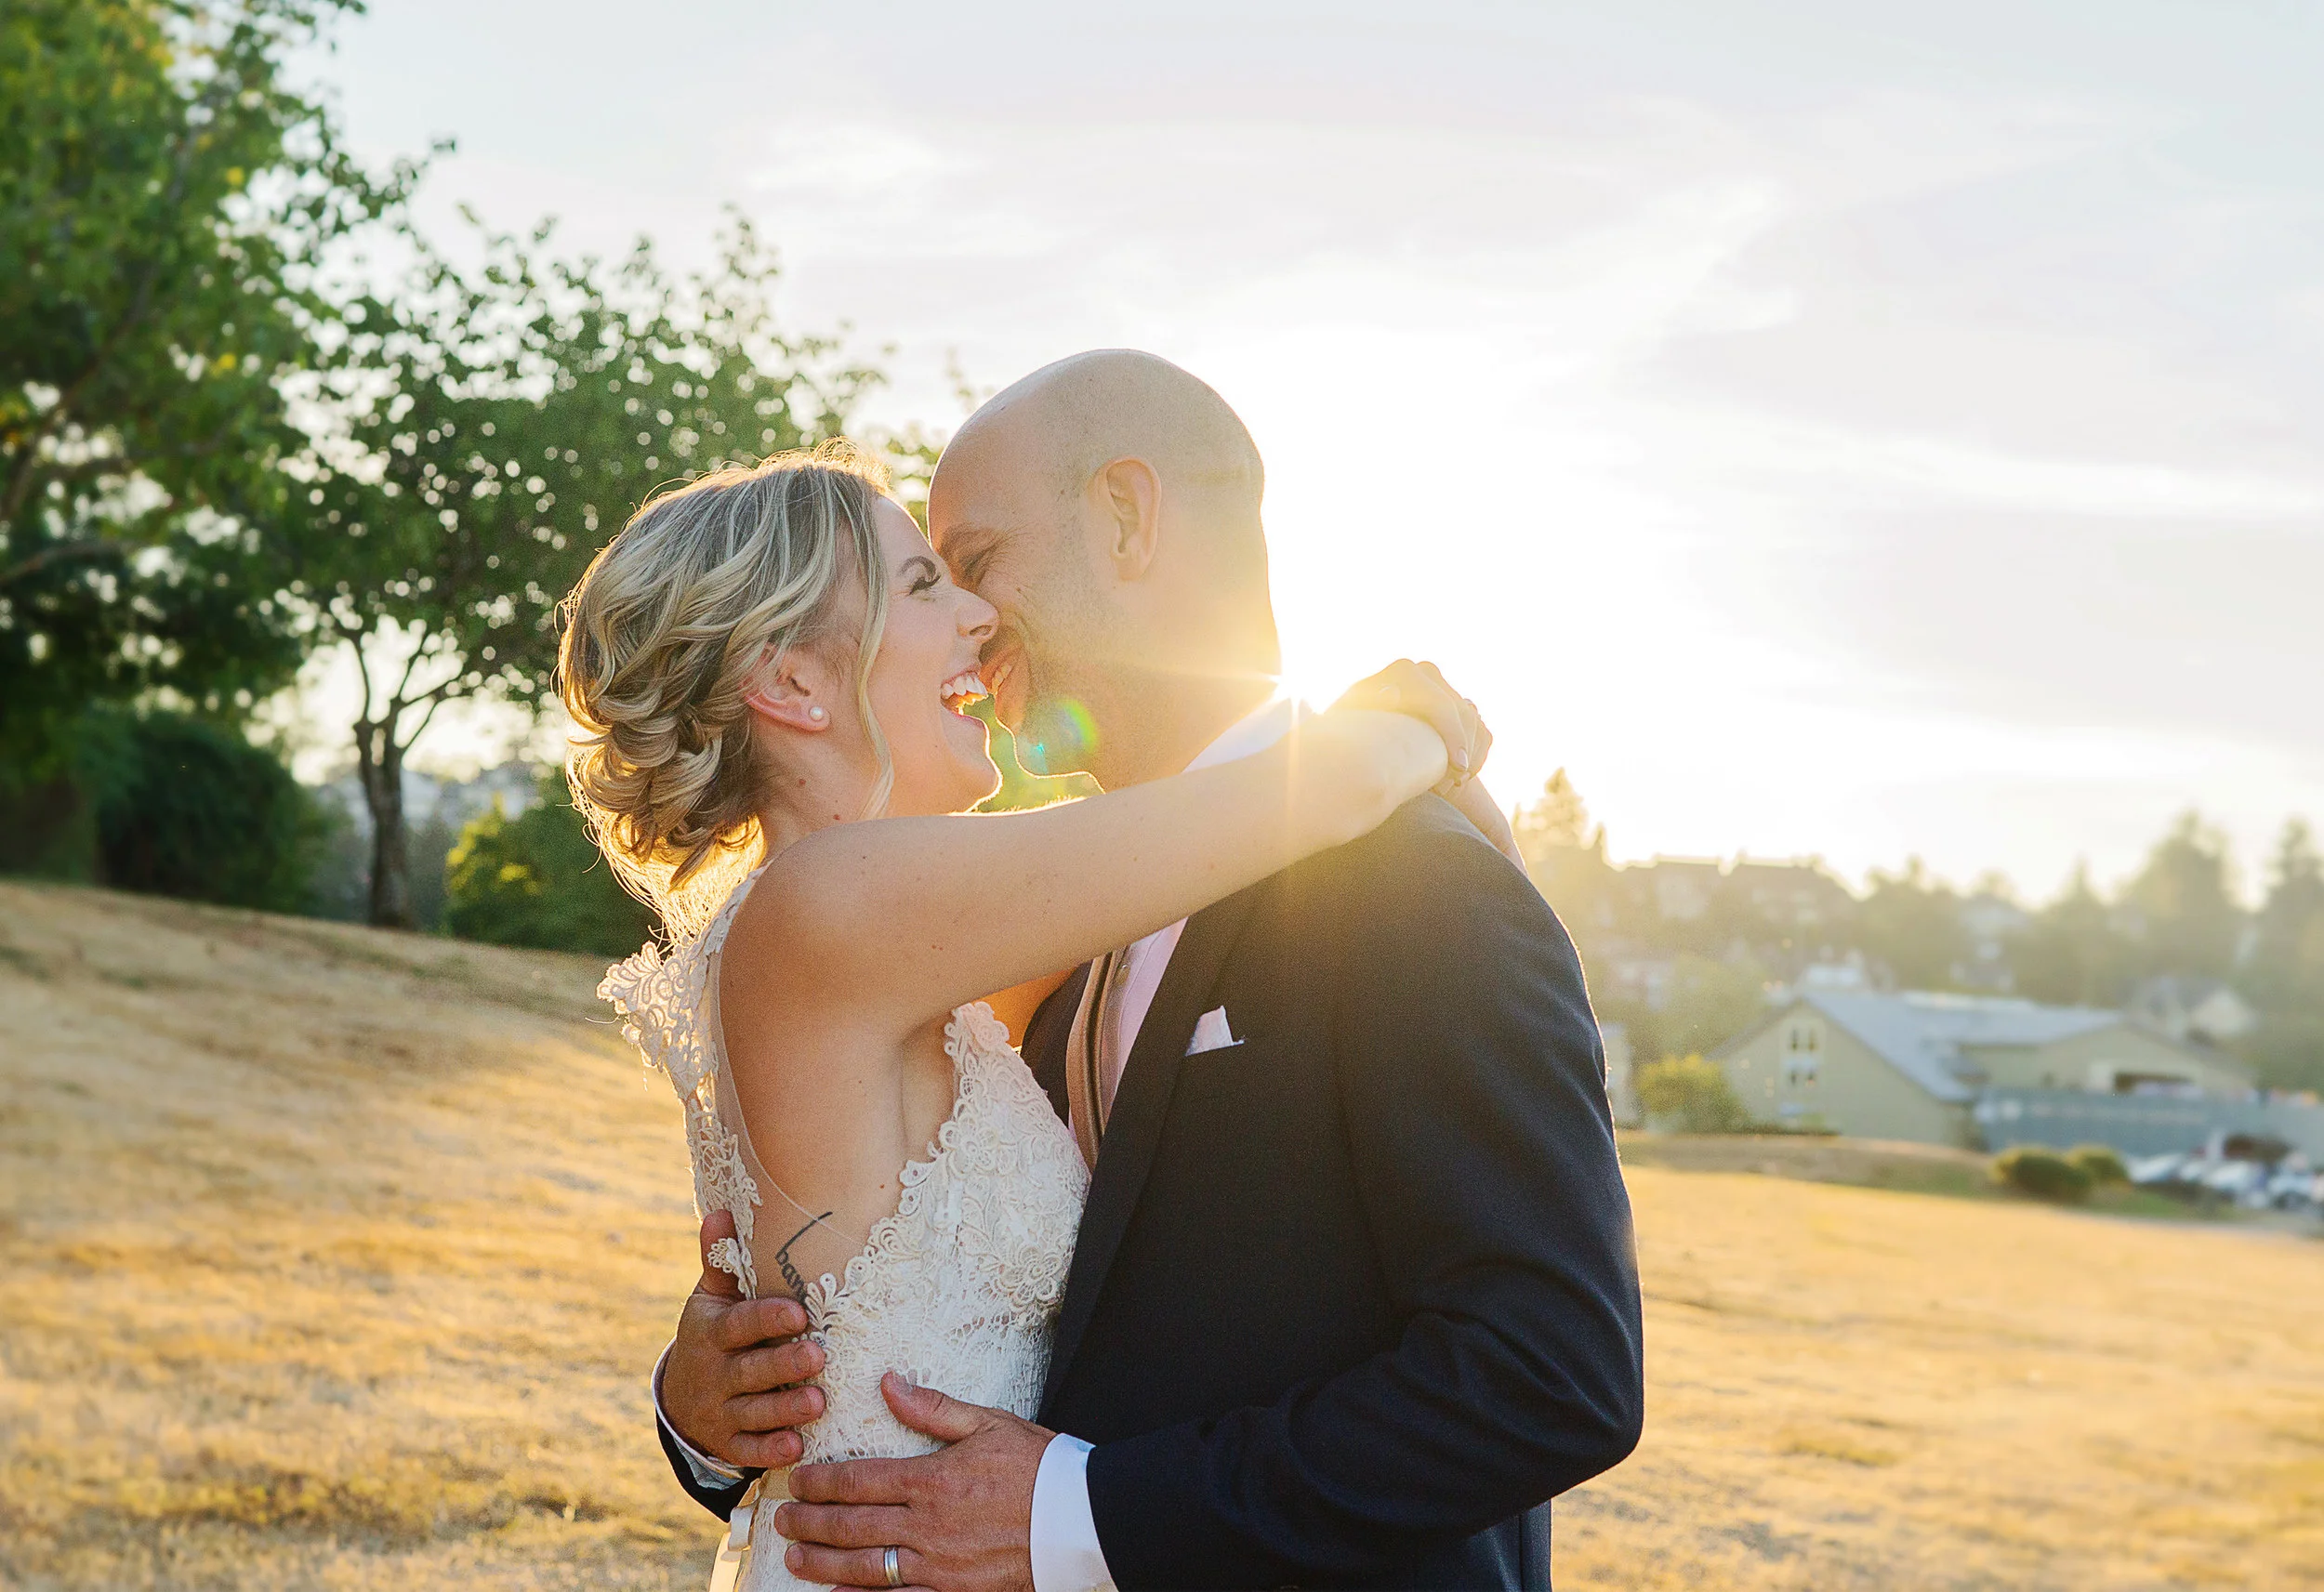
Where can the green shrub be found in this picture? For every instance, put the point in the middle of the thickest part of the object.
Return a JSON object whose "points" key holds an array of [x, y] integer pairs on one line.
{"points": [[1686, 1094], [2043, 1173], [176, 805], [537, 880], [2101, 1162]]}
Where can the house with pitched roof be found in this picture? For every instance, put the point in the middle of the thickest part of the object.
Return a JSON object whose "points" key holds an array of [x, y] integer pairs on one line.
{"points": [[2186, 1006], [1912, 1065]]}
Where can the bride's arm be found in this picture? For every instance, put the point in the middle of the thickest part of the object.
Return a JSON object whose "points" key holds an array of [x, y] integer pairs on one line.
{"points": [[911, 916], [1403, 679]]}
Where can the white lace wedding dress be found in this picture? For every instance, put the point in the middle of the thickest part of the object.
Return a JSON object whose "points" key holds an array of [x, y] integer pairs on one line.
{"points": [[958, 1290]]}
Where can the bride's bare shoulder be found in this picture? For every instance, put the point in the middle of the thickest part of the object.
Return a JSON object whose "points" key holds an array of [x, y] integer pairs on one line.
{"points": [[796, 930]]}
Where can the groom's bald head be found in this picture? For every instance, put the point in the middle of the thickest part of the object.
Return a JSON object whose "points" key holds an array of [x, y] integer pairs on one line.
{"points": [[1108, 505], [1076, 415]]}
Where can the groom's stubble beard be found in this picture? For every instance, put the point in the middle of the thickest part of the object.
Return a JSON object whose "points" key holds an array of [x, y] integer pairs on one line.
{"points": [[1121, 705], [1072, 715], [1076, 713]]}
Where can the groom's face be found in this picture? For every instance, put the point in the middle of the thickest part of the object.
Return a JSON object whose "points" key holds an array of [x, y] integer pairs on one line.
{"points": [[1016, 541]]}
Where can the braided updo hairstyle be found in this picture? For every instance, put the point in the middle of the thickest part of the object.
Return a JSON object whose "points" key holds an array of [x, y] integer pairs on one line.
{"points": [[669, 629]]}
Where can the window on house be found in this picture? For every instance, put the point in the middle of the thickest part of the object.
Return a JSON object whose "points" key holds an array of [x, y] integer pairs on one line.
{"points": [[1803, 1052]]}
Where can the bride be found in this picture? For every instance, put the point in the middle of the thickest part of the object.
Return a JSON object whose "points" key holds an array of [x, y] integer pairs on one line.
{"points": [[771, 672]]}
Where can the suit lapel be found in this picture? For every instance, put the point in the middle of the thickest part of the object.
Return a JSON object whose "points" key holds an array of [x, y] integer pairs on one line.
{"points": [[1134, 1130]]}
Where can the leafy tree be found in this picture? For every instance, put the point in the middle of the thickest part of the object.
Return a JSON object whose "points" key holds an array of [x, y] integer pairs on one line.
{"points": [[2181, 904], [538, 880], [506, 421], [166, 204], [1911, 921]]}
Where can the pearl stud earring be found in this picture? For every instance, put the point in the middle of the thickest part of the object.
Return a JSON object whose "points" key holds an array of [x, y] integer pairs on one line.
{"points": [[817, 714]]}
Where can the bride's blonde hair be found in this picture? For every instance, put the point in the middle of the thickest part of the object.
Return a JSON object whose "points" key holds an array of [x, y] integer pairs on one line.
{"points": [[710, 584]]}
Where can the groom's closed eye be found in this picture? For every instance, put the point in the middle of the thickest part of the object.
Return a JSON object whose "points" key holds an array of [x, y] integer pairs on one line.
{"points": [[970, 555]]}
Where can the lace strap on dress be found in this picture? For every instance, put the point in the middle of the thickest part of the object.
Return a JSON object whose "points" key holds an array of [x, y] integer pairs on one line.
{"points": [[661, 999]]}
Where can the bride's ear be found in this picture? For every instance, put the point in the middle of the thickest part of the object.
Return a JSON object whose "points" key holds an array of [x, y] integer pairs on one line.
{"points": [[782, 697]]}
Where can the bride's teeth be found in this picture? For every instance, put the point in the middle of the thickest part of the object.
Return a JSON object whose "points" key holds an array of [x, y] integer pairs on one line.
{"points": [[961, 690]]}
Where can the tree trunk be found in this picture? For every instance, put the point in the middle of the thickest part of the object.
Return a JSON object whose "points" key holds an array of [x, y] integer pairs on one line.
{"points": [[380, 762]]}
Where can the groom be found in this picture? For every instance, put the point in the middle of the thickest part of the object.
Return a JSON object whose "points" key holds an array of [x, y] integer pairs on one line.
{"points": [[1355, 1293]]}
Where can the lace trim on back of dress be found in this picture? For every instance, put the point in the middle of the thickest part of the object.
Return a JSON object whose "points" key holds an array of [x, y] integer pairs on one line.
{"points": [[663, 1001]]}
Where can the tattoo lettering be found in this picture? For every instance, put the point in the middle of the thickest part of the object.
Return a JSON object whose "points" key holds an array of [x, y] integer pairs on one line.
{"points": [[797, 1283]]}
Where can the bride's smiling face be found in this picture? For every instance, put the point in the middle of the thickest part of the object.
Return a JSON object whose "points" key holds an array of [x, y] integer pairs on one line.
{"points": [[924, 677]]}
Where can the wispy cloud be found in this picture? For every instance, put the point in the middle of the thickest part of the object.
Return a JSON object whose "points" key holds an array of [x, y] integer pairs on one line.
{"points": [[1818, 434]]}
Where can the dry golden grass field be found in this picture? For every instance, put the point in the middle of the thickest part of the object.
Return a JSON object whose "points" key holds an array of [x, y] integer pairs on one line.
{"points": [[338, 1259]]}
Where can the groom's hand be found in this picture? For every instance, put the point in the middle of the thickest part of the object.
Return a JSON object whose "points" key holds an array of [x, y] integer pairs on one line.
{"points": [[963, 1516], [730, 1386]]}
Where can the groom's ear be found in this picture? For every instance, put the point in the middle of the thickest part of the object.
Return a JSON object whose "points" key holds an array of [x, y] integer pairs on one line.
{"points": [[1130, 494]]}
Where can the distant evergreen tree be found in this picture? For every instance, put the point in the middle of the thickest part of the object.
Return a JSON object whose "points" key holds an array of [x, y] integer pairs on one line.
{"points": [[2286, 970], [1911, 921], [2073, 952], [1560, 819], [1566, 858], [2286, 975], [2181, 908]]}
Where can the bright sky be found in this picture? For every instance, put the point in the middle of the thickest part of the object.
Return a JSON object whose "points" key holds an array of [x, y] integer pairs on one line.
{"points": [[1841, 428]]}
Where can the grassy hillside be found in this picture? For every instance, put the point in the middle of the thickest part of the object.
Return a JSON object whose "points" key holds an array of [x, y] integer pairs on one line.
{"points": [[1854, 1388], [336, 1258]]}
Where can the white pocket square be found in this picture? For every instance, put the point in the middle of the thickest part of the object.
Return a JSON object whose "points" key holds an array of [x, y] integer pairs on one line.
{"points": [[1211, 1033]]}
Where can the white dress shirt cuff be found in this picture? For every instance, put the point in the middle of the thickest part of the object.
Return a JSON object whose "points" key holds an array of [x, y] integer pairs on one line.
{"points": [[710, 1475], [1066, 1556]]}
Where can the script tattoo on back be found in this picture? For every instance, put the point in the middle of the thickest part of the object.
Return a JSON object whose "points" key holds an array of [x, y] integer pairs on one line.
{"points": [[791, 1279]]}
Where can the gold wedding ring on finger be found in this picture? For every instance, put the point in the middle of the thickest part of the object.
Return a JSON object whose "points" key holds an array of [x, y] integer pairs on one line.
{"points": [[891, 1565]]}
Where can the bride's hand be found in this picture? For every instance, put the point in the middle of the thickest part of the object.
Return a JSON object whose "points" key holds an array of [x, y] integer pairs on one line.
{"points": [[1420, 691]]}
